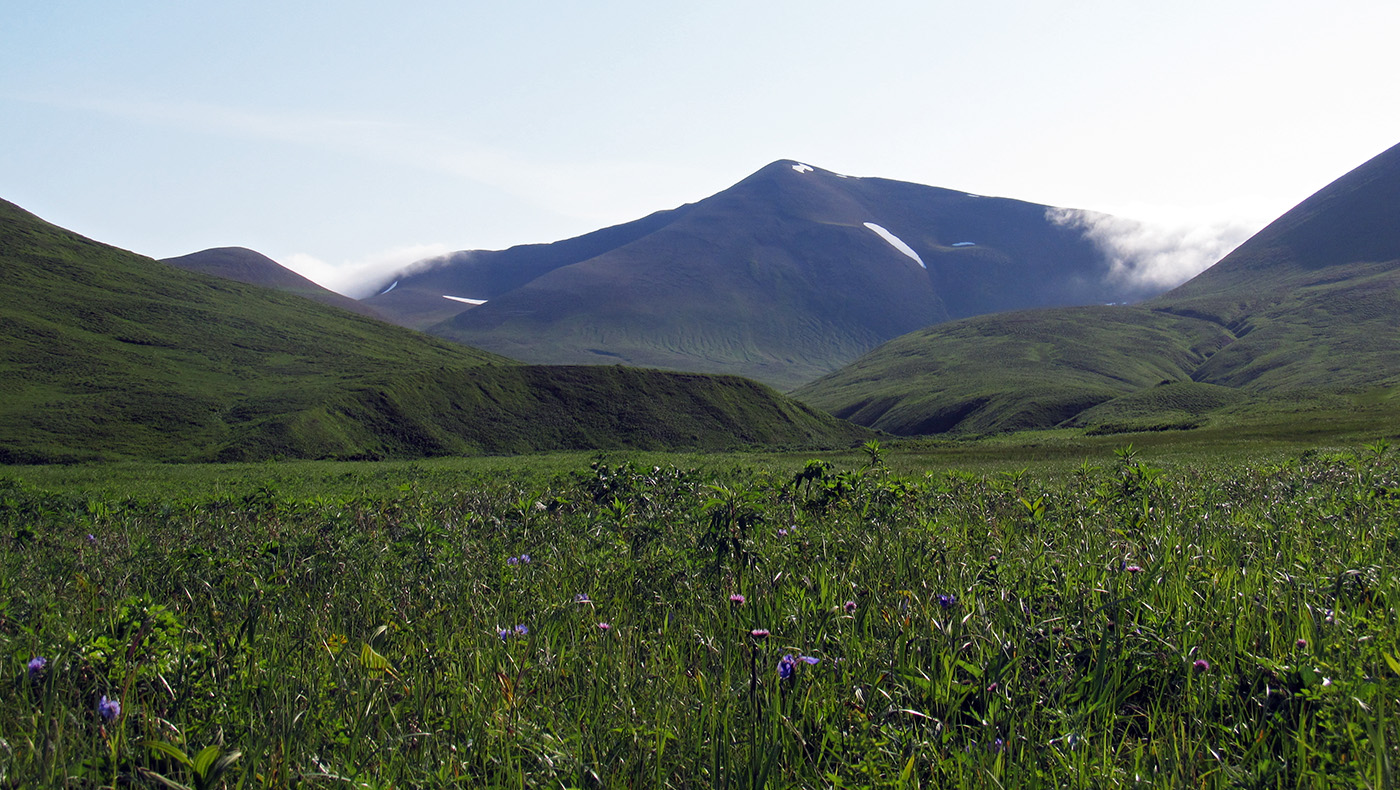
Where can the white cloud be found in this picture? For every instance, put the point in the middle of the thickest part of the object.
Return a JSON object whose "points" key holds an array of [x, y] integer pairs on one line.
{"points": [[363, 276], [1159, 254]]}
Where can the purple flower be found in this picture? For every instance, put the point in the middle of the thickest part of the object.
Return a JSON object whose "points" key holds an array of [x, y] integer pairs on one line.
{"points": [[1133, 569], [788, 663], [850, 607], [521, 630], [736, 599], [582, 598], [947, 601], [504, 634], [91, 539], [512, 560], [759, 633], [1302, 643], [1201, 666], [782, 533], [525, 559], [36, 666], [604, 626], [109, 709]]}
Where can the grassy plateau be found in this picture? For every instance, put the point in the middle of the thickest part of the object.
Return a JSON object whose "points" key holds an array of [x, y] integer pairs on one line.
{"points": [[693, 621]]}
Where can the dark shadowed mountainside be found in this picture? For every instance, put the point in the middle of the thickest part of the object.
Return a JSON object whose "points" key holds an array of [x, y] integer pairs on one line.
{"points": [[254, 268], [783, 277]]}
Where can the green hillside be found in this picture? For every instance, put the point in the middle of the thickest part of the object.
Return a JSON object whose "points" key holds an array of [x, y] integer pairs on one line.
{"points": [[107, 354], [1014, 370], [1308, 306]]}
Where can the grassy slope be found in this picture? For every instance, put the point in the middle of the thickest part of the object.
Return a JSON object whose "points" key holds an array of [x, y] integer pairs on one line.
{"points": [[110, 355], [1014, 370]]}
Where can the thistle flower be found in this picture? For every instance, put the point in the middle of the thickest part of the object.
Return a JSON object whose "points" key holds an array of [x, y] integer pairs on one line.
{"points": [[109, 709], [1133, 569], [1201, 666], [850, 607], [604, 627], [736, 599], [759, 633], [36, 666]]}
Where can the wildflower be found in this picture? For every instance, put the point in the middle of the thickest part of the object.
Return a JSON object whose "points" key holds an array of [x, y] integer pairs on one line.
{"points": [[782, 533], [109, 709], [512, 560], [759, 633], [736, 599], [788, 663], [947, 601], [582, 598], [850, 607], [1302, 643], [91, 539], [36, 666], [525, 559], [604, 627], [521, 630], [504, 634], [1201, 666], [1133, 569]]}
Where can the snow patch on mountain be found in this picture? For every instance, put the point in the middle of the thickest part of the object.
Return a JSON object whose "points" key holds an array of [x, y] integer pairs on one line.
{"points": [[801, 168], [896, 242], [464, 299], [391, 287]]}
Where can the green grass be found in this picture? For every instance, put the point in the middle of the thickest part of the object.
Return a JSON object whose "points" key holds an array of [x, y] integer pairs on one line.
{"points": [[111, 356], [1003, 628]]}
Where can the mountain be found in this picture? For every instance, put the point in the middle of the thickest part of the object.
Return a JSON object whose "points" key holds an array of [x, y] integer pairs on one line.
{"points": [[254, 268], [1310, 304], [110, 355], [783, 277]]}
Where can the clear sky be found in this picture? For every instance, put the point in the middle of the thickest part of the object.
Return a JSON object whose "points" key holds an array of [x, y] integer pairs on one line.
{"points": [[343, 136]]}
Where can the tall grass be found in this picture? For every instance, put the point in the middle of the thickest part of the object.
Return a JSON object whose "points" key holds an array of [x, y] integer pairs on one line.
{"points": [[1213, 627]]}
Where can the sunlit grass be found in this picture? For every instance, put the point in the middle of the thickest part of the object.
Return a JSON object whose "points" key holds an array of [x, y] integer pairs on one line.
{"points": [[1192, 625]]}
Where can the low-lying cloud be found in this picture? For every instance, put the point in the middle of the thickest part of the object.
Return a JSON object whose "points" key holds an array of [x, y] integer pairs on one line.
{"points": [[365, 276], [1155, 256]]}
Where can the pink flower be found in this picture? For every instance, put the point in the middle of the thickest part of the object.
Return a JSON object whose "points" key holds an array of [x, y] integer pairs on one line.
{"points": [[759, 633], [736, 599]]}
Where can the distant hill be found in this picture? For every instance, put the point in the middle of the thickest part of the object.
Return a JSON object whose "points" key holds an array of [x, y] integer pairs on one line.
{"points": [[110, 355], [254, 268], [783, 277], [1310, 304]]}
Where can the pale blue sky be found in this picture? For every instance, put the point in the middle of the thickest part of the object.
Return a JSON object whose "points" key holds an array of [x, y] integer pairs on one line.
{"points": [[340, 136]]}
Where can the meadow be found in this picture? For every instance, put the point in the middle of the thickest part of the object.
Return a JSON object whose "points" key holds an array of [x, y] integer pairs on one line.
{"points": [[652, 621]]}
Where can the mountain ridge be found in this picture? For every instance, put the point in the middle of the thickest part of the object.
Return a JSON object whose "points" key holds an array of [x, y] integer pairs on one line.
{"points": [[782, 277]]}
